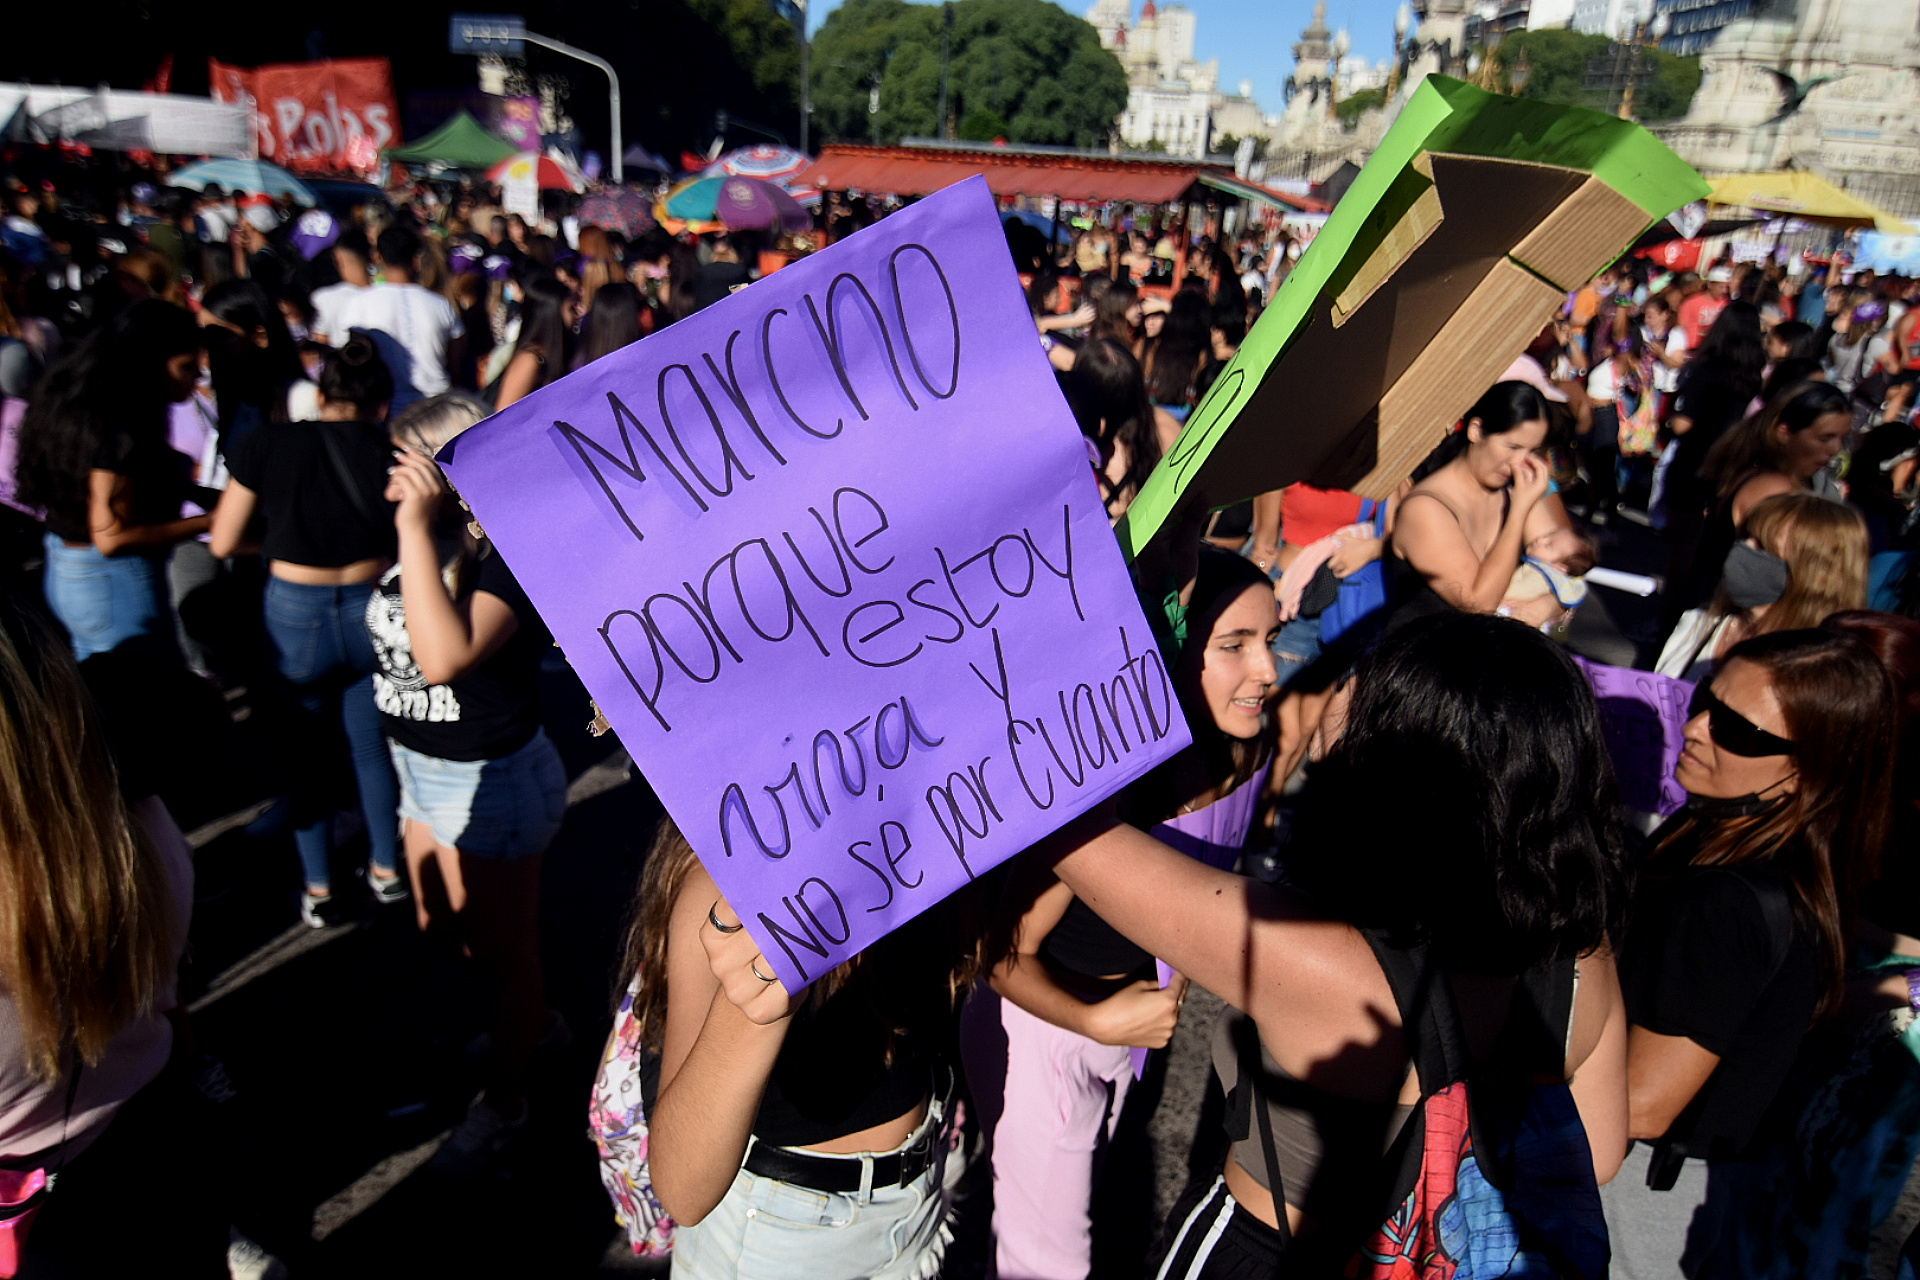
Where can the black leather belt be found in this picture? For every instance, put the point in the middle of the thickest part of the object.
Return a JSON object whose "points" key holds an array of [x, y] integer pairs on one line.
{"points": [[842, 1174]]}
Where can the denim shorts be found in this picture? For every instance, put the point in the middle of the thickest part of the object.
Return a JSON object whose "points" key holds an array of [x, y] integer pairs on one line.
{"points": [[766, 1229], [105, 601], [506, 808], [1296, 648]]}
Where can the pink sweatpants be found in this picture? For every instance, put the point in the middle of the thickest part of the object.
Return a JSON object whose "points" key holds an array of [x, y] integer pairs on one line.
{"points": [[1048, 1101]]}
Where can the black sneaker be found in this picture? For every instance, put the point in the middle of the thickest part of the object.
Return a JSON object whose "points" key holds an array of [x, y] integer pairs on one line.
{"points": [[391, 888]]}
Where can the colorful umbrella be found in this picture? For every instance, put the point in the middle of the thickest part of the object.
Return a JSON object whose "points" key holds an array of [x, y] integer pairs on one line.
{"points": [[764, 161], [549, 173], [243, 175], [739, 204], [623, 209]]}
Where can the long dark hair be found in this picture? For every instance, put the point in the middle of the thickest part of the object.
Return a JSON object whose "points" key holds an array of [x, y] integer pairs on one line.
{"points": [[613, 322], [1826, 836], [1732, 351], [1501, 844], [1506, 405], [543, 324], [245, 374], [1173, 359], [1110, 309], [1751, 444], [1109, 399], [101, 399], [1221, 579]]}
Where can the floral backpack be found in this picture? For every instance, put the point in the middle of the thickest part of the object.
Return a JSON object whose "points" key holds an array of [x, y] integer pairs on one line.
{"points": [[617, 1118]]}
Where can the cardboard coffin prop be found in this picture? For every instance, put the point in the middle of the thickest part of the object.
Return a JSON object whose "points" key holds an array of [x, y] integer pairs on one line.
{"points": [[1455, 245]]}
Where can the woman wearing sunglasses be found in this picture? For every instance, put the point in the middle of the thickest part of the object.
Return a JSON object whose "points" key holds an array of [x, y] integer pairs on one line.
{"points": [[1741, 927]]}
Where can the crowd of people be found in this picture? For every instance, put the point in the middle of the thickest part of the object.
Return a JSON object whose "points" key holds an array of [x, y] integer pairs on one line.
{"points": [[221, 422]]}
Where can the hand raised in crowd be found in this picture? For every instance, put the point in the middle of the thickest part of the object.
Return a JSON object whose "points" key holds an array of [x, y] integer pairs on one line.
{"points": [[1141, 1015], [416, 484], [742, 971]]}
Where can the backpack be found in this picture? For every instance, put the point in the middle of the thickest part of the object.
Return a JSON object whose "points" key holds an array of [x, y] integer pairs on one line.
{"points": [[1491, 1175], [617, 1118]]}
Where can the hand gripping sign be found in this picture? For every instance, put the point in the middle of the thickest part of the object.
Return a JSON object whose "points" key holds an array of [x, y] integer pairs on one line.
{"points": [[830, 557]]}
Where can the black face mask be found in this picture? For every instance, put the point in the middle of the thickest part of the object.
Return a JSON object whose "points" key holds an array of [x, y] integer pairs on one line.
{"points": [[1752, 577]]}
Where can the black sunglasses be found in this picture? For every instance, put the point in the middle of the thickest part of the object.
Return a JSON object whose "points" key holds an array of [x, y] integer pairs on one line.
{"points": [[1734, 732]]}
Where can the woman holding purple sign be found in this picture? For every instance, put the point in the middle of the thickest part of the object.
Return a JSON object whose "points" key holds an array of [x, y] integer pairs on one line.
{"points": [[803, 1136], [1050, 1038]]}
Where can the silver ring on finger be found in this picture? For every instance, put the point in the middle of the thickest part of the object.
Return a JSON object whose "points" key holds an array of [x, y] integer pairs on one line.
{"points": [[753, 967], [714, 919]]}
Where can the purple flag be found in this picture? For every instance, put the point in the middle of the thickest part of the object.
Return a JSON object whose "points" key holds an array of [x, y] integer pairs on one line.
{"points": [[830, 557], [1643, 714]]}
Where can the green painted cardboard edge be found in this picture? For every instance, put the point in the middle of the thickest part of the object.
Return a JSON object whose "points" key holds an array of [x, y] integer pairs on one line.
{"points": [[1444, 115]]}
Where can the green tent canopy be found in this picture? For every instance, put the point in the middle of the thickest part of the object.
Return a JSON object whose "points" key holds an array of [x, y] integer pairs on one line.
{"points": [[460, 143]]}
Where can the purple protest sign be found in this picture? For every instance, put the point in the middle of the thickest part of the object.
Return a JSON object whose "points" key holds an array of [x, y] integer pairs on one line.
{"points": [[1642, 713], [829, 556]]}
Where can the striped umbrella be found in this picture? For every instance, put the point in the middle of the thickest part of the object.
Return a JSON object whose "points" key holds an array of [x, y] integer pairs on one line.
{"points": [[243, 175], [764, 161], [739, 204]]}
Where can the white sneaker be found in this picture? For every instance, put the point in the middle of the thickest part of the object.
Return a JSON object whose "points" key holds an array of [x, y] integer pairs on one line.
{"points": [[476, 1140], [248, 1261]]}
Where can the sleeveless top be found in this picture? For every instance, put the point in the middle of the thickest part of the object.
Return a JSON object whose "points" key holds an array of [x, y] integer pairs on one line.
{"points": [[1326, 1145], [1085, 944], [1323, 1143], [1308, 514]]}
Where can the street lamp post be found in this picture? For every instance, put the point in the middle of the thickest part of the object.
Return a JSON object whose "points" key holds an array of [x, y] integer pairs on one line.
{"points": [[613, 90], [806, 77], [1402, 24]]}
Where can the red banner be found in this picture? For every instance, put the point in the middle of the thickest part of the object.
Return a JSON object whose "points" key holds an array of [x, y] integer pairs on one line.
{"points": [[1676, 255], [337, 114]]}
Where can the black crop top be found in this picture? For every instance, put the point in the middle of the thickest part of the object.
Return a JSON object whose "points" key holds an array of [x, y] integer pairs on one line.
{"points": [[1085, 944], [833, 1076], [307, 513]]}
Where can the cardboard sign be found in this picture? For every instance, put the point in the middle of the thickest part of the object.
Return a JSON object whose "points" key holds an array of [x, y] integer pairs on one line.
{"points": [[830, 557], [1474, 219], [1643, 714], [333, 114]]}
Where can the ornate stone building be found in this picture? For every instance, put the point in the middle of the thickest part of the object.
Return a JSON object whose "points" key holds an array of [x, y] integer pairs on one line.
{"points": [[1858, 64], [1173, 99]]}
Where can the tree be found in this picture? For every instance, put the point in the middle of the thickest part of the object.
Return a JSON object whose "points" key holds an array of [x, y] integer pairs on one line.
{"points": [[1350, 108], [1557, 63], [1027, 65], [1227, 145]]}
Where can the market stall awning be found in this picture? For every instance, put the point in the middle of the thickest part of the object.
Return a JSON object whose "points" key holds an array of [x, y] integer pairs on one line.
{"points": [[916, 171], [1231, 185], [1803, 195], [460, 143]]}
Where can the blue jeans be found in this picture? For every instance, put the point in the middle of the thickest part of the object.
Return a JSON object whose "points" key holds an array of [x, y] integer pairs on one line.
{"points": [[105, 601], [506, 808], [1296, 648], [322, 648]]}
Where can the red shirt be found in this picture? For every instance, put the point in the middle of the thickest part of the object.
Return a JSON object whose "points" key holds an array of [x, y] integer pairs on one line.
{"points": [[1308, 514], [1697, 315]]}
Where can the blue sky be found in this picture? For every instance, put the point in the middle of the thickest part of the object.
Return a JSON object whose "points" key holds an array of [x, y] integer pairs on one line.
{"points": [[1254, 38]]}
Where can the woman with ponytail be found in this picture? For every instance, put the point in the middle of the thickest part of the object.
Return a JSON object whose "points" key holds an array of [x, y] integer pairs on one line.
{"points": [[310, 496]]}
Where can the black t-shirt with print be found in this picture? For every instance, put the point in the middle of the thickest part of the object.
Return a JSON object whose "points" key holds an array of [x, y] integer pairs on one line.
{"points": [[491, 711]]}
